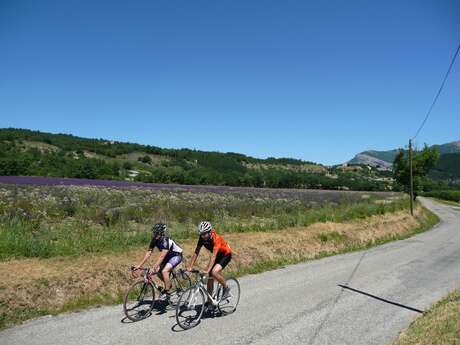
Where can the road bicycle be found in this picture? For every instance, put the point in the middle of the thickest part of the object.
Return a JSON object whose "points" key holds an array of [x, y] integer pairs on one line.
{"points": [[140, 297], [195, 300]]}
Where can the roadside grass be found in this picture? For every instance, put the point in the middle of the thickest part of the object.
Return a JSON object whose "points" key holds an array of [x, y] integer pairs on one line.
{"points": [[37, 286], [24, 313], [439, 326], [428, 221], [332, 237]]}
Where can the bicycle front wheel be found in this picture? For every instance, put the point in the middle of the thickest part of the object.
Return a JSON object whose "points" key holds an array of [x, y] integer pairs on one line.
{"points": [[228, 304], [181, 281], [139, 300], [190, 307]]}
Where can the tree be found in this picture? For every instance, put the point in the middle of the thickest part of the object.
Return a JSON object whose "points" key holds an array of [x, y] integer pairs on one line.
{"points": [[127, 165], [422, 162], [146, 159]]}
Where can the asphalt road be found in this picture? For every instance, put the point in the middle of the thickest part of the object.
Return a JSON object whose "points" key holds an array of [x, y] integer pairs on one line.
{"points": [[301, 304]]}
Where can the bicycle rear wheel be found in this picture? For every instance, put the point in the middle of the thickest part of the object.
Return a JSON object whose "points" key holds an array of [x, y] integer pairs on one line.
{"points": [[139, 300], [190, 307], [228, 305]]}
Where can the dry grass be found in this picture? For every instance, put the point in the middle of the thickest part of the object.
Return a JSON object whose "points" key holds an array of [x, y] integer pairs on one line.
{"points": [[311, 168], [42, 147], [134, 157], [32, 287]]}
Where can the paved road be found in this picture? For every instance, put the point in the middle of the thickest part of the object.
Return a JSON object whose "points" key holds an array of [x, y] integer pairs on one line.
{"points": [[300, 304]]}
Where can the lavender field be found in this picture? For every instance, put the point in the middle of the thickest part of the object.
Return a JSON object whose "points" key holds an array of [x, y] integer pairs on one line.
{"points": [[318, 195], [44, 217]]}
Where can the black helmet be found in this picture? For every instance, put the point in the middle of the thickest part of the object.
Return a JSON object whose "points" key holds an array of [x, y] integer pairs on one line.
{"points": [[159, 229]]}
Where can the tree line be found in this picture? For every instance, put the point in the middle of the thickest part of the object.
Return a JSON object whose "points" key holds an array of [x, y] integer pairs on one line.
{"points": [[181, 166]]}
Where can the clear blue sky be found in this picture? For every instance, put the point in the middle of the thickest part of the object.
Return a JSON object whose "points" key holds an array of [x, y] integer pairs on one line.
{"points": [[316, 80]]}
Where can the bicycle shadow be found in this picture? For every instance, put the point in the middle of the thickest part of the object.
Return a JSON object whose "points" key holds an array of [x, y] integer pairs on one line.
{"points": [[164, 308], [159, 308], [207, 314]]}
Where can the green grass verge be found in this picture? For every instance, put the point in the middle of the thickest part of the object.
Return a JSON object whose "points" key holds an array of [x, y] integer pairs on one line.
{"points": [[439, 326]]}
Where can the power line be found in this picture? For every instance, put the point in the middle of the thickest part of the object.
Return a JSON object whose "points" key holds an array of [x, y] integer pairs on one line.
{"points": [[437, 95]]}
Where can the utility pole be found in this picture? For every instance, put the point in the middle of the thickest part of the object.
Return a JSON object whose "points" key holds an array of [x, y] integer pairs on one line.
{"points": [[411, 181]]}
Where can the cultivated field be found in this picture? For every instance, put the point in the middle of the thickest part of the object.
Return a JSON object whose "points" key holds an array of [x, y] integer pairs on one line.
{"points": [[46, 221], [311, 194]]}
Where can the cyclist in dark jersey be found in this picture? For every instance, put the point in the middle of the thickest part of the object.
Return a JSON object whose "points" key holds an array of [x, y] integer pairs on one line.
{"points": [[221, 255], [170, 255]]}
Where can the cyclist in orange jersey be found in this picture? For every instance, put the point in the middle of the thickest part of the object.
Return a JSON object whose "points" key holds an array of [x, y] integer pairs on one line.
{"points": [[221, 255]]}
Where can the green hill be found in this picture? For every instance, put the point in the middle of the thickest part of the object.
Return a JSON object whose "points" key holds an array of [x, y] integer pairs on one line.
{"points": [[27, 152], [448, 167]]}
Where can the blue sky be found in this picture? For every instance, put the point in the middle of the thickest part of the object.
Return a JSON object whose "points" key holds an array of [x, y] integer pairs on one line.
{"points": [[318, 80]]}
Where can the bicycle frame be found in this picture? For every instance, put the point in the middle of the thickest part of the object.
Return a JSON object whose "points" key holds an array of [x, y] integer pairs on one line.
{"points": [[201, 286], [147, 274]]}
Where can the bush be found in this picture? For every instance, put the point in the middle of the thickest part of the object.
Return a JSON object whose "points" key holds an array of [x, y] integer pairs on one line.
{"points": [[451, 195]]}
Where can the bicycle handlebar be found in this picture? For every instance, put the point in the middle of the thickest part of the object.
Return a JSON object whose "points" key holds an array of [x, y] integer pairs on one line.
{"points": [[133, 268], [201, 274], [148, 269], [197, 272]]}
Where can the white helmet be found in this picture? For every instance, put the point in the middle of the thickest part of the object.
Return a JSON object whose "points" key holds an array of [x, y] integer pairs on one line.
{"points": [[204, 227]]}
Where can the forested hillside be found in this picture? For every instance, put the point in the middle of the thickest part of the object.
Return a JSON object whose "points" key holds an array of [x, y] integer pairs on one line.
{"points": [[26, 152]]}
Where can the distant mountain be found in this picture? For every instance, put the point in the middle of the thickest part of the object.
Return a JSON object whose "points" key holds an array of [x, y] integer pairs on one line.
{"points": [[370, 156], [453, 147], [448, 167], [378, 159]]}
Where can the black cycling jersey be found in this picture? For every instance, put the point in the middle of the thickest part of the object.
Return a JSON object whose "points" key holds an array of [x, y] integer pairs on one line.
{"points": [[165, 243]]}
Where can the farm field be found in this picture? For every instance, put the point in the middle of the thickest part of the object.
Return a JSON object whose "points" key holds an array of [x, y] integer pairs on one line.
{"points": [[46, 221], [313, 194]]}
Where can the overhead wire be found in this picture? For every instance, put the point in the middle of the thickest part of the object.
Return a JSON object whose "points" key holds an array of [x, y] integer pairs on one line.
{"points": [[438, 93]]}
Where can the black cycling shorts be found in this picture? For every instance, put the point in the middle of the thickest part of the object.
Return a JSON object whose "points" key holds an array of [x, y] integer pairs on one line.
{"points": [[222, 260]]}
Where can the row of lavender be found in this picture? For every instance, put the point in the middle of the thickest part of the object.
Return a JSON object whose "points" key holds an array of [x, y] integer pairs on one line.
{"points": [[310, 194]]}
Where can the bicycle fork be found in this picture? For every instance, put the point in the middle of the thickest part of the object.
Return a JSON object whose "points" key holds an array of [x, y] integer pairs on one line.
{"points": [[193, 299]]}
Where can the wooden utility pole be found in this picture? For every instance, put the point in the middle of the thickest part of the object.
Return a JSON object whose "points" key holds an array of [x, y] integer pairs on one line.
{"points": [[411, 181]]}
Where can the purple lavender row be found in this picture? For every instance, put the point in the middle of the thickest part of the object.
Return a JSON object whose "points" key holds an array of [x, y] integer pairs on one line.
{"points": [[318, 194]]}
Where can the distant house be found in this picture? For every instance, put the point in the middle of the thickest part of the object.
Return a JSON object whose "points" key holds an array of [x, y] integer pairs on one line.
{"points": [[133, 173]]}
